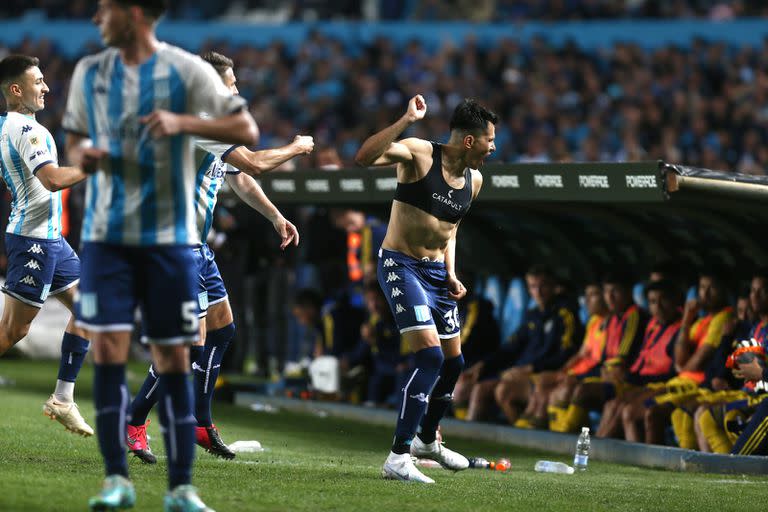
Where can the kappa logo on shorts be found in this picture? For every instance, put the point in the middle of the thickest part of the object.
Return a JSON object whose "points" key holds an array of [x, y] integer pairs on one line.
{"points": [[422, 313], [396, 292], [28, 280], [389, 262], [399, 309], [36, 249], [421, 397], [392, 277], [33, 265]]}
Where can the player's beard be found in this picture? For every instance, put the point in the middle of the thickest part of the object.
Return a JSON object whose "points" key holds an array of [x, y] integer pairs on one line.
{"points": [[121, 36]]}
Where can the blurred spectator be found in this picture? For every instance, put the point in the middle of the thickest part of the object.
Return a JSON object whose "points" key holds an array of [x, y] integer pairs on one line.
{"points": [[332, 329], [544, 341], [480, 336], [380, 341]]}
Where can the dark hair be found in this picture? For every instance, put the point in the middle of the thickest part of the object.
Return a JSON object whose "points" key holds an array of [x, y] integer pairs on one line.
{"points": [[13, 66], [541, 270], [620, 277], [152, 8], [665, 286], [471, 117], [717, 273], [308, 297], [219, 62], [761, 273]]}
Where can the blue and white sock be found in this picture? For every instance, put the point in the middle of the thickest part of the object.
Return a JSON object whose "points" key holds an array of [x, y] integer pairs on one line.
{"points": [[207, 371], [73, 351], [441, 397], [178, 426], [110, 396], [145, 400], [415, 395]]}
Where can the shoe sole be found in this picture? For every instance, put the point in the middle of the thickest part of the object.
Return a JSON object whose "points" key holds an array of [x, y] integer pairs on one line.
{"points": [[220, 455], [103, 507], [444, 466], [52, 415], [144, 456], [394, 476]]}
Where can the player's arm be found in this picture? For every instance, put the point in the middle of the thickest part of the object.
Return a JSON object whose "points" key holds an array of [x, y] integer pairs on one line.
{"points": [[236, 128], [81, 153], [682, 343], [56, 178], [249, 191], [381, 148], [257, 162], [456, 289]]}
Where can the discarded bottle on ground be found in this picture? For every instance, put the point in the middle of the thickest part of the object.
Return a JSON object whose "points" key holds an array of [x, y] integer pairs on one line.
{"points": [[582, 450], [547, 466], [479, 462]]}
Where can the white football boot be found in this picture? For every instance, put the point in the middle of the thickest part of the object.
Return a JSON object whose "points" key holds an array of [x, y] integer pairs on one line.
{"points": [[68, 415], [435, 451], [401, 467]]}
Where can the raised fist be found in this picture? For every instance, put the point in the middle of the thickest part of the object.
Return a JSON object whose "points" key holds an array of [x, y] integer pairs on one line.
{"points": [[304, 143], [417, 108]]}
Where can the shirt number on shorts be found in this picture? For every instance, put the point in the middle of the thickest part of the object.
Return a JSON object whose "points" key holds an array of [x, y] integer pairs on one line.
{"points": [[189, 316], [452, 319]]}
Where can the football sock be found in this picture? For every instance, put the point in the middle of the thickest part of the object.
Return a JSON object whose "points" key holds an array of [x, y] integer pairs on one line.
{"points": [[178, 426], [144, 400], [110, 396], [415, 395], [441, 397], [682, 424], [73, 351], [556, 417], [715, 434], [208, 368]]}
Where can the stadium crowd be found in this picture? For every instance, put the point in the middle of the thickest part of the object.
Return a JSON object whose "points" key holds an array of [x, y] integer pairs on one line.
{"points": [[428, 10], [705, 105]]}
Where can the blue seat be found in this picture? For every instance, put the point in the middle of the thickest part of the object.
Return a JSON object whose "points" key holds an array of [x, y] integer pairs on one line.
{"points": [[638, 293], [494, 292], [583, 311], [515, 305]]}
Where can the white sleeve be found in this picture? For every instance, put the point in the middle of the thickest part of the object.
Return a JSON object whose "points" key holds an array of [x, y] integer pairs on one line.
{"points": [[32, 144], [209, 94], [76, 115], [218, 149]]}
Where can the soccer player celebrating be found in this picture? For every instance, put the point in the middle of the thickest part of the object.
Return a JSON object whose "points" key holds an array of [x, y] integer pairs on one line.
{"points": [[416, 268], [139, 102], [216, 312], [40, 261]]}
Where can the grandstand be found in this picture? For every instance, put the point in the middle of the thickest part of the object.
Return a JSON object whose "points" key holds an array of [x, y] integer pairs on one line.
{"points": [[633, 136]]}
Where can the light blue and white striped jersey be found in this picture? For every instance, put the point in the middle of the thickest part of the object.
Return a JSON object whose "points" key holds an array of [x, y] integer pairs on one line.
{"points": [[144, 194], [210, 177], [25, 147]]}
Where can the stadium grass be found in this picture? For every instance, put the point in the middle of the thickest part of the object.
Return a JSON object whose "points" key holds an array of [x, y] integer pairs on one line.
{"points": [[314, 463]]}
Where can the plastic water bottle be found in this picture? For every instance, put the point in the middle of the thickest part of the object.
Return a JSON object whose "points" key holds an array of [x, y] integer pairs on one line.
{"points": [[547, 466], [479, 463], [582, 450]]}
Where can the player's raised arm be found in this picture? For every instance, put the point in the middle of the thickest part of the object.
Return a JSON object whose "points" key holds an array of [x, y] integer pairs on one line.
{"points": [[251, 193], [381, 148], [257, 162]]}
